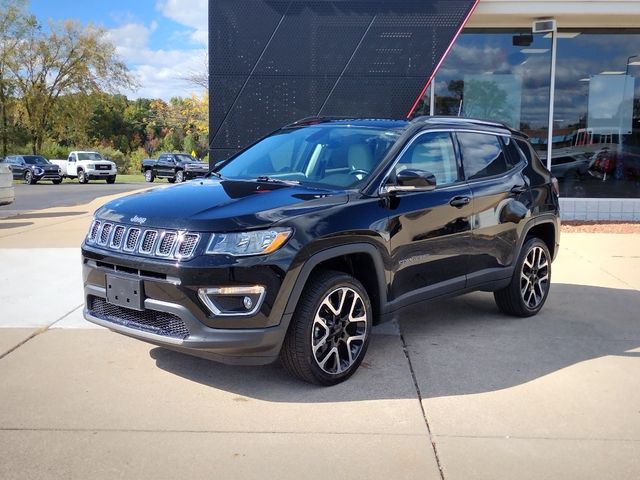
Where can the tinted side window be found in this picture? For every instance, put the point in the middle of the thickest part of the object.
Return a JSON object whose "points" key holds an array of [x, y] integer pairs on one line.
{"points": [[482, 155], [432, 152], [514, 155]]}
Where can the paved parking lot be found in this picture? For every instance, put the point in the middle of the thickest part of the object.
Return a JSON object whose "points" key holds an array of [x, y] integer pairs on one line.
{"points": [[46, 195], [453, 390]]}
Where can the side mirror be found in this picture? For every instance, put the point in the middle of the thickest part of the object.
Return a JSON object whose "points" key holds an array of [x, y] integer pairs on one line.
{"points": [[412, 180]]}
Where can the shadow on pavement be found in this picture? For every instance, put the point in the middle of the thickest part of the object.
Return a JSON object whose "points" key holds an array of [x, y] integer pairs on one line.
{"points": [[24, 216], [6, 226], [458, 346]]}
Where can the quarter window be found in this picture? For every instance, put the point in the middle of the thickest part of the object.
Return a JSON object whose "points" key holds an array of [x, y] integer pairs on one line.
{"points": [[431, 152], [482, 155]]}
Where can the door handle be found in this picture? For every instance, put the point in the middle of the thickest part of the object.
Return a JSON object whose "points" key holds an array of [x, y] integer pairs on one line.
{"points": [[460, 202], [519, 189]]}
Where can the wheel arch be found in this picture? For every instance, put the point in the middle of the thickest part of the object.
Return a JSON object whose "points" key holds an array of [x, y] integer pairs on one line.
{"points": [[358, 260], [547, 230]]}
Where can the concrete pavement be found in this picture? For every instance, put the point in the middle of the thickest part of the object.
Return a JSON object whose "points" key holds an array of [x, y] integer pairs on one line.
{"points": [[555, 396]]}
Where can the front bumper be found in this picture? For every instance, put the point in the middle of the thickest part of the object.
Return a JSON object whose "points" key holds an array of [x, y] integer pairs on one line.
{"points": [[174, 317], [190, 174], [94, 174]]}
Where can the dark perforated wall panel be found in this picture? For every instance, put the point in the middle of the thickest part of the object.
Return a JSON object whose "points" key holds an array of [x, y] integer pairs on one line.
{"points": [[274, 61]]}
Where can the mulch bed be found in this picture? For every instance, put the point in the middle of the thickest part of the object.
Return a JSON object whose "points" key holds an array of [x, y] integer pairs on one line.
{"points": [[579, 226]]}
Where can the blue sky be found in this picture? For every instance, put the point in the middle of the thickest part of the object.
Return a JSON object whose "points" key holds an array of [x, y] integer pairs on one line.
{"points": [[161, 40]]}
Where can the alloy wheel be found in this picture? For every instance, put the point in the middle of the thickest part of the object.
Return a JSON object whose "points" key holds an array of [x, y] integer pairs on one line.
{"points": [[339, 330], [534, 278]]}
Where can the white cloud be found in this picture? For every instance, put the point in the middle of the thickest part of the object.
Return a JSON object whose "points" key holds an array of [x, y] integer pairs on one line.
{"points": [[160, 73], [190, 13]]}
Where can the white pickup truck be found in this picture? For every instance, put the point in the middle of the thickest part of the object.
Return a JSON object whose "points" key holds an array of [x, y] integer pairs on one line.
{"points": [[87, 166]]}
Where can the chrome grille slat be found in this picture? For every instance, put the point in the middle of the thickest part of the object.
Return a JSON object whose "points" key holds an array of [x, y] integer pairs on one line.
{"points": [[118, 236], [149, 238], [166, 243], [188, 245], [105, 232], [132, 240], [145, 241]]}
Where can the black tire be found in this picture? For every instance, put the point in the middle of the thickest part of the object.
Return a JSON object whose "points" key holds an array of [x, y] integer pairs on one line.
{"points": [[111, 179], [529, 288], [338, 338], [56, 182], [82, 177], [171, 180], [29, 178], [180, 176], [149, 176]]}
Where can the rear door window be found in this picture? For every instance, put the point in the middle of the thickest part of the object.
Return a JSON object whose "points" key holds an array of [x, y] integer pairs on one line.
{"points": [[482, 155]]}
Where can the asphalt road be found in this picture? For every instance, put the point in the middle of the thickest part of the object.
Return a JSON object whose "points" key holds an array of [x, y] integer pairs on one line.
{"points": [[47, 195]]}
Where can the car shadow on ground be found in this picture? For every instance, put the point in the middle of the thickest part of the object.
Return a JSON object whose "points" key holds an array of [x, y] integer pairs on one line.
{"points": [[7, 225], [458, 346]]}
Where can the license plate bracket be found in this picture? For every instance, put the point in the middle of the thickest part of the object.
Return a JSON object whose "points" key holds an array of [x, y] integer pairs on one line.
{"points": [[124, 292]]}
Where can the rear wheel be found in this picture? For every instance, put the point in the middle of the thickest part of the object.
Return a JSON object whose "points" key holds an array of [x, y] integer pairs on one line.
{"points": [[111, 179], [82, 177], [529, 287], [330, 330], [149, 176], [179, 176]]}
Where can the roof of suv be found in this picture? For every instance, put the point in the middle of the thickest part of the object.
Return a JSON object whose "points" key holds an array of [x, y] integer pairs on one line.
{"points": [[418, 121]]}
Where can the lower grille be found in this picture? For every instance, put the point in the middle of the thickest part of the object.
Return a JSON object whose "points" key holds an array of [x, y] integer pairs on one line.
{"points": [[151, 321]]}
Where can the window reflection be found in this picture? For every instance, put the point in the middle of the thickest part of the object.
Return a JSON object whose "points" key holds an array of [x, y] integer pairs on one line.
{"points": [[503, 75]]}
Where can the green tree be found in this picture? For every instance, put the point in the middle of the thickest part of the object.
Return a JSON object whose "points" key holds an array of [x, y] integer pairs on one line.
{"points": [[69, 59], [15, 22]]}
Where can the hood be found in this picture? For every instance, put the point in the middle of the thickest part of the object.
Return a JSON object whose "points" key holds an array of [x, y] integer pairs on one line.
{"points": [[213, 205]]}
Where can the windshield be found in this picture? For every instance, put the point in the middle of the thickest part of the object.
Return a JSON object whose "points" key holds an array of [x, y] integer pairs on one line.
{"points": [[35, 160], [186, 158], [334, 156], [89, 156]]}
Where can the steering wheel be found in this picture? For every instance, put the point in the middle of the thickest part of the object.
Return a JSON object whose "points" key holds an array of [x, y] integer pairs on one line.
{"points": [[359, 171]]}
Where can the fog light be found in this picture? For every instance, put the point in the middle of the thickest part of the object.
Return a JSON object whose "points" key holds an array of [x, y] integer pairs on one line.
{"points": [[233, 301]]}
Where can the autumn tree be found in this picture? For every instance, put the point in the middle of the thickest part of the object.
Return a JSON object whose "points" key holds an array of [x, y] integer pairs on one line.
{"points": [[67, 60], [14, 25]]}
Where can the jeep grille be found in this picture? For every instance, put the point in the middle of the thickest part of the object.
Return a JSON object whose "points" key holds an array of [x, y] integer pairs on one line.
{"points": [[144, 241]]}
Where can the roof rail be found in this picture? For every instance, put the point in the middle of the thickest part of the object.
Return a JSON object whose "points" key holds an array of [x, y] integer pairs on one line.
{"points": [[315, 119]]}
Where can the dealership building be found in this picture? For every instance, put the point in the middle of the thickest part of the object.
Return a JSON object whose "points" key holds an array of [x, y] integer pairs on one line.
{"points": [[572, 65]]}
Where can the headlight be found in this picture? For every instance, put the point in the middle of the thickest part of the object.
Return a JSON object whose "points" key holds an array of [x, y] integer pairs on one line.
{"points": [[241, 244], [59, 171], [38, 171], [91, 166]]}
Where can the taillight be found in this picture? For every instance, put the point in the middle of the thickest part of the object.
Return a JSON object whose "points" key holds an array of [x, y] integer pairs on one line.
{"points": [[555, 186]]}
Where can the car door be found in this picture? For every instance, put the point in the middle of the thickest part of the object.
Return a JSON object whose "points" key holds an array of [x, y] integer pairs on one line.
{"points": [[72, 165], [494, 169], [165, 166], [429, 231], [17, 170]]}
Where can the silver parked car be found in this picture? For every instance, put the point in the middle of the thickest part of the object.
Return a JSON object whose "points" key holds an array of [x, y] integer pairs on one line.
{"points": [[7, 193]]}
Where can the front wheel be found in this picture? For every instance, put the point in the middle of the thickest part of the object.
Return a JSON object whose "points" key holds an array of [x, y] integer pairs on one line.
{"points": [[111, 179], [529, 287], [179, 176], [330, 330], [82, 177], [29, 178]]}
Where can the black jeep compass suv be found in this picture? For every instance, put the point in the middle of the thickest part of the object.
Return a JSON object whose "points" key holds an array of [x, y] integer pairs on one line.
{"points": [[297, 245]]}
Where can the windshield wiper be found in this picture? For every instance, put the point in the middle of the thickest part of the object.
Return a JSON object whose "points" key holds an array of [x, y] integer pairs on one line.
{"points": [[277, 180]]}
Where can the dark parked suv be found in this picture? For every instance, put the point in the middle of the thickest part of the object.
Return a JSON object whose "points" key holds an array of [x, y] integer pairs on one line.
{"points": [[297, 245], [33, 168]]}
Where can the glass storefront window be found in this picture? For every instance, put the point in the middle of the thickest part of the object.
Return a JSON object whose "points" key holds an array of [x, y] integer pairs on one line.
{"points": [[596, 139], [503, 75]]}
